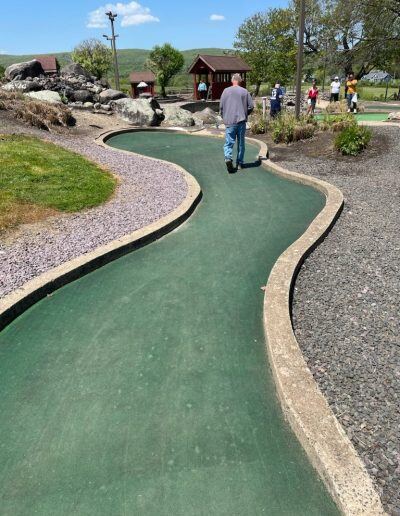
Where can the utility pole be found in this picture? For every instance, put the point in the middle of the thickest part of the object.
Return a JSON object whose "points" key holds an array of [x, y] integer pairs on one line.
{"points": [[112, 17], [300, 50]]}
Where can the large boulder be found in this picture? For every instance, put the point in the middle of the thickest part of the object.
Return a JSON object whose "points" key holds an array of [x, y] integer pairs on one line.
{"points": [[175, 116], [394, 116], [47, 96], [82, 96], [137, 111], [207, 117], [75, 69], [21, 71], [109, 95], [22, 86]]}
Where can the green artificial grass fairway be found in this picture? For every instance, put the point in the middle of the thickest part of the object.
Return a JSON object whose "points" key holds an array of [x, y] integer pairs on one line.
{"points": [[38, 173], [143, 388], [360, 117]]}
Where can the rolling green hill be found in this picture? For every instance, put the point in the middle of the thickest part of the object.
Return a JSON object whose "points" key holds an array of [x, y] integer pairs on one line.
{"points": [[129, 59]]}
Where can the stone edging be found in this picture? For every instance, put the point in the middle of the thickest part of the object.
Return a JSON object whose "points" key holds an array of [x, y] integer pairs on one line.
{"points": [[15, 303], [306, 408], [315, 425]]}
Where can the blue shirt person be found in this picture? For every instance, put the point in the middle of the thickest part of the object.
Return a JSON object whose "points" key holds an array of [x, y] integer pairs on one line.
{"points": [[276, 100], [202, 89]]}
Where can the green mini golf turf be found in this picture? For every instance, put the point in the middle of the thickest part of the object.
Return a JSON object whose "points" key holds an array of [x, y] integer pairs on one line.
{"points": [[143, 388], [387, 107], [362, 117]]}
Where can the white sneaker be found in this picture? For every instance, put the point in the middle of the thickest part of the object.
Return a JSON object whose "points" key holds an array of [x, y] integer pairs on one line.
{"points": [[349, 110], [355, 111]]}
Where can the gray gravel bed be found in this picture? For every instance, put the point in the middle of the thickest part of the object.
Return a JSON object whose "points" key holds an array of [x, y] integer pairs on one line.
{"points": [[347, 306], [148, 190]]}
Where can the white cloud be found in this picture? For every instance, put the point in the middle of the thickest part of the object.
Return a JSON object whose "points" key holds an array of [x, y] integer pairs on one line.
{"points": [[217, 17], [131, 13], [3, 52]]}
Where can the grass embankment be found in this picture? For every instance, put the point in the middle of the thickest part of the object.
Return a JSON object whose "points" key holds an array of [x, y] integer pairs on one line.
{"points": [[38, 179]]}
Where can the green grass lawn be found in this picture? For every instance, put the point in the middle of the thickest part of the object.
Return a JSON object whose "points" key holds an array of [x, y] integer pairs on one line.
{"points": [[38, 178]]}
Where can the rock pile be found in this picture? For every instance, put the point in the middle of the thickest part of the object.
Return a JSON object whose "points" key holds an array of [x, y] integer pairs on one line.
{"points": [[75, 85]]}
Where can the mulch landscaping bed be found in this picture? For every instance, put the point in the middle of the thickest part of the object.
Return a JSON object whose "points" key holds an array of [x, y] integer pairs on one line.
{"points": [[347, 298]]}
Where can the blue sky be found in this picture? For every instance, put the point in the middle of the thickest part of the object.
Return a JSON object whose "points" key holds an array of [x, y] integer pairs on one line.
{"points": [[31, 27]]}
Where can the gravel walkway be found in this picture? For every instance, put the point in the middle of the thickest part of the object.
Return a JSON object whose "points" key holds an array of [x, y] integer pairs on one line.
{"points": [[347, 305], [147, 191]]}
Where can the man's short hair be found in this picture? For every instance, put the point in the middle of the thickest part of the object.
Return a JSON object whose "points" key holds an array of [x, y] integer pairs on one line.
{"points": [[237, 77]]}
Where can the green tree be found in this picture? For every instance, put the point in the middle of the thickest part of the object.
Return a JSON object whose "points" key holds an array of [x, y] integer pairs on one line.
{"points": [[267, 41], [2, 70], [94, 56], [165, 61], [356, 36]]}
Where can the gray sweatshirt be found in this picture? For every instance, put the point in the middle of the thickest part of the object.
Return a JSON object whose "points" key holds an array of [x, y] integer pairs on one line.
{"points": [[235, 105]]}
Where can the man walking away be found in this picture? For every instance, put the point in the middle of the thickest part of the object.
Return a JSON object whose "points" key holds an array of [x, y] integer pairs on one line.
{"points": [[235, 106], [335, 90], [351, 95], [202, 89], [276, 100]]}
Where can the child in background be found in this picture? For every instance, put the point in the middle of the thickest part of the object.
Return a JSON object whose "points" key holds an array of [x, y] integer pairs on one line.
{"points": [[312, 98]]}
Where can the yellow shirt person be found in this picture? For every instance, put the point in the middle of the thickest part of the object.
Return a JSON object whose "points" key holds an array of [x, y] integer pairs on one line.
{"points": [[351, 93], [351, 86]]}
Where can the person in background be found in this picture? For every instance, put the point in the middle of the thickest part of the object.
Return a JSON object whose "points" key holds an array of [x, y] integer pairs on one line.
{"points": [[235, 106], [312, 98], [276, 100], [202, 89], [351, 93], [335, 90]]}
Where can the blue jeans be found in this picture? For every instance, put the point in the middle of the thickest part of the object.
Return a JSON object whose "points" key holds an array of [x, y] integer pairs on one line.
{"points": [[349, 98], [233, 133]]}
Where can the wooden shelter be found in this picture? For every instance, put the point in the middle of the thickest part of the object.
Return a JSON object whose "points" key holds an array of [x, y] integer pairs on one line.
{"points": [[138, 78], [216, 72], [49, 64]]}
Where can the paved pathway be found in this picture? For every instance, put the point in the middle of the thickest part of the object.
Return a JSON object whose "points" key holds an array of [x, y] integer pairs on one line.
{"points": [[143, 388]]}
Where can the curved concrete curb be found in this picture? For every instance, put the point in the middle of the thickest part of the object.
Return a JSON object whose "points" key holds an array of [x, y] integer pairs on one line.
{"points": [[12, 305], [321, 435]]}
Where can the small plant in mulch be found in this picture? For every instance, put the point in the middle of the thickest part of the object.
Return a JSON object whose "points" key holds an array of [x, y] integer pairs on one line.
{"points": [[353, 140], [35, 112], [337, 123], [257, 122], [286, 128]]}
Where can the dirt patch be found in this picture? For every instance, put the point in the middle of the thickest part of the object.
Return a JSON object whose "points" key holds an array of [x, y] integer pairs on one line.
{"points": [[321, 145], [17, 214]]}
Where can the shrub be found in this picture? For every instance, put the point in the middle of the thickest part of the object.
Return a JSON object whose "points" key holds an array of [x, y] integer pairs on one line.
{"points": [[258, 123], [285, 128], [341, 107], [352, 140], [336, 123], [337, 107]]}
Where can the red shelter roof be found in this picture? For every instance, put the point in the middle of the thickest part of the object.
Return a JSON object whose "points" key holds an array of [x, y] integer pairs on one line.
{"points": [[145, 76], [49, 63], [219, 64]]}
